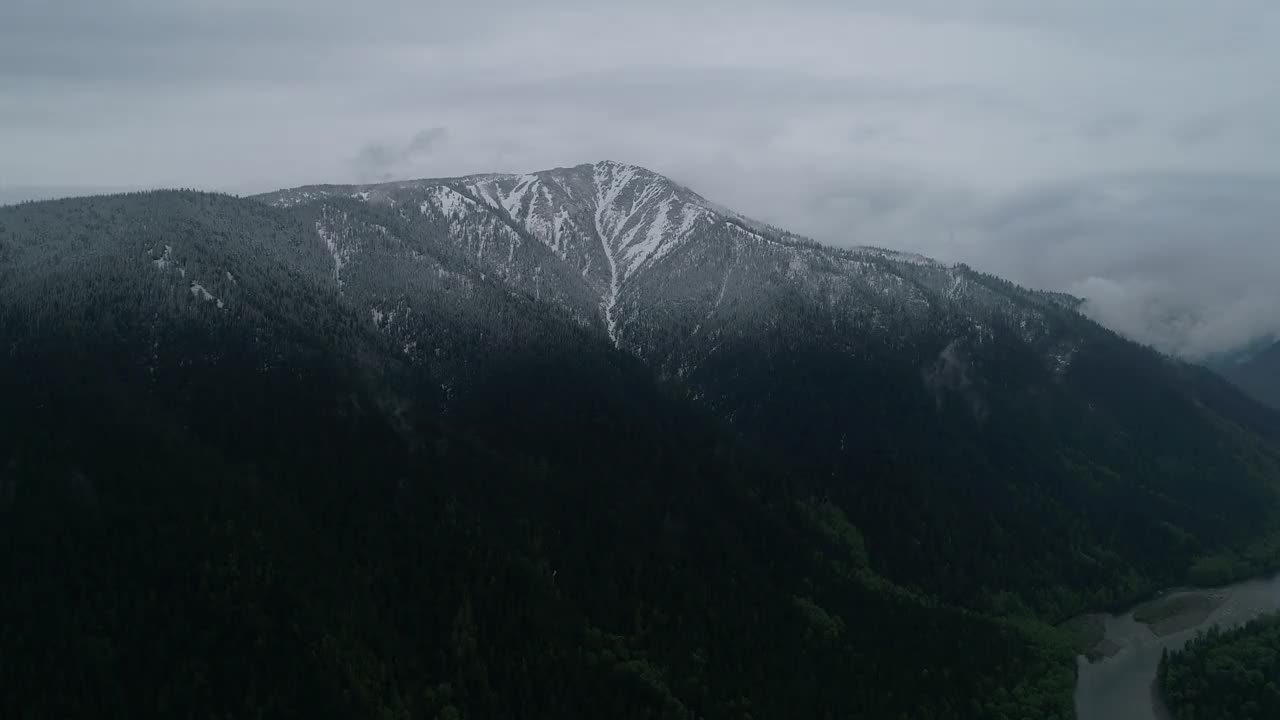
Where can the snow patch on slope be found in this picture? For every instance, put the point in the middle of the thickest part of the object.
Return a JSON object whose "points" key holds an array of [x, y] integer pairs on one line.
{"points": [[542, 220], [514, 200], [486, 189], [338, 243], [656, 220], [691, 214], [896, 256], [448, 201], [648, 248], [330, 239], [199, 292], [164, 260]]}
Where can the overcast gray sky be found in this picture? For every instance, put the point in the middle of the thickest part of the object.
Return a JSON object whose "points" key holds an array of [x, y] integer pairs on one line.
{"points": [[1124, 150]]}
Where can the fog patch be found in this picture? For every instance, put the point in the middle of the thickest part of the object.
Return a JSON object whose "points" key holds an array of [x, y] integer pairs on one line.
{"points": [[952, 375], [381, 162]]}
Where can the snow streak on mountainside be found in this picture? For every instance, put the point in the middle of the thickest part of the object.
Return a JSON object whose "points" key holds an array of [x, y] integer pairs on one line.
{"points": [[606, 246], [636, 215]]}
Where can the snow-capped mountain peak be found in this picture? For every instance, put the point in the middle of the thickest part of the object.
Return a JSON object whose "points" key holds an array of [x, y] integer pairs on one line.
{"points": [[621, 246], [642, 216], [634, 215], [602, 214]]}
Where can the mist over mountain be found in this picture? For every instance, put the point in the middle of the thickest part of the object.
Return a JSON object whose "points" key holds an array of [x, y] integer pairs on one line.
{"points": [[572, 443], [1255, 370], [1134, 169], [14, 194]]}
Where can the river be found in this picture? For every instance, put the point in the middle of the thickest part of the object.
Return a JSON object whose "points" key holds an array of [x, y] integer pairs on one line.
{"points": [[1122, 686]]}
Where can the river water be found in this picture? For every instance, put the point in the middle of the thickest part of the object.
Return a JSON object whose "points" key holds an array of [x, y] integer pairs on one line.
{"points": [[1122, 686]]}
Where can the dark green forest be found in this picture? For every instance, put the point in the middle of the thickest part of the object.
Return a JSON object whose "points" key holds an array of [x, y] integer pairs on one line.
{"points": [[1225, 674], [247, 499]]}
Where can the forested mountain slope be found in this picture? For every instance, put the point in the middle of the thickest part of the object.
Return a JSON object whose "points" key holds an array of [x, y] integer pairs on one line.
{"points": [[579, 443], [929, 399]]}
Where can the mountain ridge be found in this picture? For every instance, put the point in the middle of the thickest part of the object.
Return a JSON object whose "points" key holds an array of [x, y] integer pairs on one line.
{"points": [[613, 222]]}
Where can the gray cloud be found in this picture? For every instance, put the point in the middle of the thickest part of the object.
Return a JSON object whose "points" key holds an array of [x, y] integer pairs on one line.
{"points": [[1185, 262], [1203, 128], [1110, 125], [1120, 150], [384, 161]]}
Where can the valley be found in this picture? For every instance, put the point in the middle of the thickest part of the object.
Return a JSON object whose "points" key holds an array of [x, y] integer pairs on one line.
{"points": [[1122, 686]]}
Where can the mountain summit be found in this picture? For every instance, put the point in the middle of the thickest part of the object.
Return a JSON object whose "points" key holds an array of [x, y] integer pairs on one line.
{"points": [[610, 221], [639, 243]]}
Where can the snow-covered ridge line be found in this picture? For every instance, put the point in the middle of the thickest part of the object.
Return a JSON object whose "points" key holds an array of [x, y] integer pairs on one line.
{"points": [[645, 215]]}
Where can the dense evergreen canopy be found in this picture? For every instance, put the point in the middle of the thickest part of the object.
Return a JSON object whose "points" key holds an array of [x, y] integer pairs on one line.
{"points": [[1225, 675]]}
